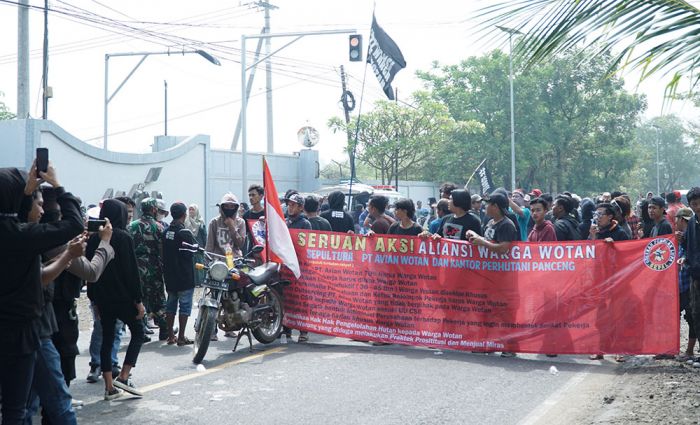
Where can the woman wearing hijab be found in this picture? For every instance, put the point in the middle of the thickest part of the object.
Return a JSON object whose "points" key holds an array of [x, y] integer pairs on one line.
{"points": [[117, 295], [196, 225], [21, 295]]}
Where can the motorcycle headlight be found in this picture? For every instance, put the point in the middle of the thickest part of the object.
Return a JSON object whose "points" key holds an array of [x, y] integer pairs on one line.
{"points": [[218, 271]]}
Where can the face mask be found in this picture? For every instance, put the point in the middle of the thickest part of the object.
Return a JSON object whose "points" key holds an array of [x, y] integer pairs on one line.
{"points": [[160, 217], [229, 212]]}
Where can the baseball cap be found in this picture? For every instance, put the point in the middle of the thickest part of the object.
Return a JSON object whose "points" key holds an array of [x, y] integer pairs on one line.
{"points": [[499, 200], [658, 201], [535, 193], [476, 198], [685, 213], [296, 198]]}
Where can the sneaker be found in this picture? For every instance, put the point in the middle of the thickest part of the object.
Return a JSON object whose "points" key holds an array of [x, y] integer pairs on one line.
{"points": [[76, 403], [148, 331], [116, 370], [114, 394], [507, 354], [127, 386], [94, 374], [147, 338], [696, 364]]}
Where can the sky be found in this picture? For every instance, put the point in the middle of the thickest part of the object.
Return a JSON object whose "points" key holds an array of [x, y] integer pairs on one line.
{"points": [[204, 98]]}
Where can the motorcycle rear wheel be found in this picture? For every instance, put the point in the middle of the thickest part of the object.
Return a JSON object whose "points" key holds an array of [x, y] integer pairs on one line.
{"points": [[206, 324], [271, 326]]}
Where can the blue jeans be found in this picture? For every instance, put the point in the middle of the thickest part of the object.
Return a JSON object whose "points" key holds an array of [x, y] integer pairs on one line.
{"points": [[50, 388], [16, 374], [96, 340], [184, 298]]}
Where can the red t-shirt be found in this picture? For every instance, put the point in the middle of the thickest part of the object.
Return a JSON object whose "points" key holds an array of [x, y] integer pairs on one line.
{"points": [[543, 233]]}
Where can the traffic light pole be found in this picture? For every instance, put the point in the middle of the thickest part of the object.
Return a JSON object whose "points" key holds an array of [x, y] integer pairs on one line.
{"points": [[244, 71]]}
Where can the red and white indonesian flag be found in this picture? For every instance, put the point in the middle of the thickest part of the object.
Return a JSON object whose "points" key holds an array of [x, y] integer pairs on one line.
{"points": [[279, 242]]}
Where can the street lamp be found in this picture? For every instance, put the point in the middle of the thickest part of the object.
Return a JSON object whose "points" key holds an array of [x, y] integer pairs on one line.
{"points": [[511, 32], [144, 55], [658, 137]]}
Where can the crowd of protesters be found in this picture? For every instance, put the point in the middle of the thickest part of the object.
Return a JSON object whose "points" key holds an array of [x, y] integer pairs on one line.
{"points": [[138, 278]]}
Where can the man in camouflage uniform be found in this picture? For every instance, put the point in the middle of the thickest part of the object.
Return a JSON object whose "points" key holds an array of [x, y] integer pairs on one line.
{"points": [[148, 238]]}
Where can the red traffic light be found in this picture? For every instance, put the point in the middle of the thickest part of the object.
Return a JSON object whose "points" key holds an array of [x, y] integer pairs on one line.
{"points": [[355, 53]]}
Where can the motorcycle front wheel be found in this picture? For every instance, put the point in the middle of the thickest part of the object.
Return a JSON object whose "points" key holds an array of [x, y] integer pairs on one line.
{"points": [[206, 323], [271, 326]]}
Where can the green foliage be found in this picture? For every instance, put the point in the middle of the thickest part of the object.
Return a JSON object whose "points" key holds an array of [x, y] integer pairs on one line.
{"points": [[396, 139], [5, 113], [574, 128], [651, 35], [679, 154]]}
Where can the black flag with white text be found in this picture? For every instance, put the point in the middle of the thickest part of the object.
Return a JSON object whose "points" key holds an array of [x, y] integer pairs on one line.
{"points": [[485, 181], [385, 57]]}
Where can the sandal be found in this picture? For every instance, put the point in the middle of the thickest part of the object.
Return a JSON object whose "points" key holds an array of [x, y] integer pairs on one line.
{"points": [[303, 337], [184, 341], [172, 340]]}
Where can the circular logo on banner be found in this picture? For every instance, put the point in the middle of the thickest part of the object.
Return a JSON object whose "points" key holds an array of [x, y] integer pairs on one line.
{"points": [[659, 254]]}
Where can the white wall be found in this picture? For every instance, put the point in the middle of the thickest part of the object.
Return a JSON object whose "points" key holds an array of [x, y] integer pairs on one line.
{"points": [[181, 178]]}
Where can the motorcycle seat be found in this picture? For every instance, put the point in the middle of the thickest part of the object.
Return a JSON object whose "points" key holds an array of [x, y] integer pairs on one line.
{"points": [[262, 273]]}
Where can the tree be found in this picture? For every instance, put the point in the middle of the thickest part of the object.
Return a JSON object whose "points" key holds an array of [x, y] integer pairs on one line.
{"points": [[574, 130], [5, 113], [679, 154], [394, 138], [651, 35]]}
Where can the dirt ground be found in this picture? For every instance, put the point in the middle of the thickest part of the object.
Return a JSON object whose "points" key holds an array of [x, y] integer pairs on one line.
{"points": [[648, 391], [644, 390]]}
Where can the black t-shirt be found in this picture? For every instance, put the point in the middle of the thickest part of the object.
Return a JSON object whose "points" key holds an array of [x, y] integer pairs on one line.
{"points": [[456, 227], [320, 223], [178, 266], [340, 220], [251, 215], [396, 229], [299, 222], [662, 228], [503, 231]]}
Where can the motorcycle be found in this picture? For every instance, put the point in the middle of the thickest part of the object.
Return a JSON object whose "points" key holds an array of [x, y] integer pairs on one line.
{"points": [[240, 298]]}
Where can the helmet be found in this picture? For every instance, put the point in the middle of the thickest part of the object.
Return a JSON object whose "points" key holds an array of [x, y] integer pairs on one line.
{"points": [[160, 204], [148, 205]]}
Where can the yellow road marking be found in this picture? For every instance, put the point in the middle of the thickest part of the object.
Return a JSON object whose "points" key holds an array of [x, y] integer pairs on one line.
{"points": [[222, 366]]}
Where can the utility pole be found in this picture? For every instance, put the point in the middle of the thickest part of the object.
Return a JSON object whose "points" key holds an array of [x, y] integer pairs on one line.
{"points": [[45, 73], [249, 87], [165, 83], [23, 59], [347, 107], [396, 152], [268, 74]]}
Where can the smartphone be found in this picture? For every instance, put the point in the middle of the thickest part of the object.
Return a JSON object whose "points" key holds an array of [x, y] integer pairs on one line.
{"points": [[42, 160], [94, 225]]}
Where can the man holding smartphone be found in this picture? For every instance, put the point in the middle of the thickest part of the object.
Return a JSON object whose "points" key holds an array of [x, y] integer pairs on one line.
{"points": [[21, 290]]}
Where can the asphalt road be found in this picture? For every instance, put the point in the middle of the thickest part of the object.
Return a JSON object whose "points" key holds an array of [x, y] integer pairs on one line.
{"points": [[336, 381]]}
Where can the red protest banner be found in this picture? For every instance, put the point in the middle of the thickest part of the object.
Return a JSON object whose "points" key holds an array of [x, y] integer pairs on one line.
{"points": [[566, 298]]}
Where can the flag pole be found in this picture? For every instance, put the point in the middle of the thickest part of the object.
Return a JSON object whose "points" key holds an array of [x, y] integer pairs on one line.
{"points": [[267, 226], [477, 167], [353, 153]]}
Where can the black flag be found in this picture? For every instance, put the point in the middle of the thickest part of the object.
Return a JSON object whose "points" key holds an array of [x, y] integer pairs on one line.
{"points": [[385, 57], [484, 179]]}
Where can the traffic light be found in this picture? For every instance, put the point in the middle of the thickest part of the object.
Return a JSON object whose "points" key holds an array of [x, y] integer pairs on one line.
{"points": [[355, 48]]}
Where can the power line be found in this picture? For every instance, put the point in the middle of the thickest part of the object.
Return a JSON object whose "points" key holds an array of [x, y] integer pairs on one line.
{"points": [[189, 114]]}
